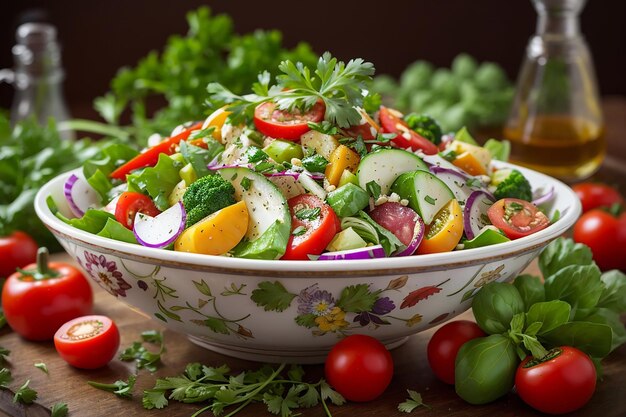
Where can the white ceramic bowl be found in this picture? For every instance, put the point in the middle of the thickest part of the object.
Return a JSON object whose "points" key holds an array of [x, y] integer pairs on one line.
{"points": [[295, 311]]}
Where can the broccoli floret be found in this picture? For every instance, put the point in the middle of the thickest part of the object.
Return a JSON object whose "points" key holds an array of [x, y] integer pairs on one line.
{"points": [[206, 196], [510, 183], [425, 126]]}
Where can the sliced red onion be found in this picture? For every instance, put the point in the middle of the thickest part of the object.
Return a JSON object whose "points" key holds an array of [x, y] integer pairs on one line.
{"points": [[475, 213], [544, 198], [418, 235], [161, 230], [368, 252], [79, 194]]}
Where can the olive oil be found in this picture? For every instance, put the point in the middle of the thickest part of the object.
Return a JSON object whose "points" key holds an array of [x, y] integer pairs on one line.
{"points": [[564, 147]]}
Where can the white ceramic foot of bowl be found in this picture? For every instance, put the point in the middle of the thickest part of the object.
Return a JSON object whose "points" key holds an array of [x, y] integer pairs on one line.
{"points": [[303, 357]]}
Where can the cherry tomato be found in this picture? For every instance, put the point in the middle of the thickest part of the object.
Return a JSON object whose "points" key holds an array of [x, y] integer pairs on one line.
{"points": [[445, 231], [359, 368], [280, 124], [87, 342], [40, 299], [562, 383], [398, 219], [16, 251], [391, 122], [445, 344], [129, 204], [517, 218], [151, 156], [593, 195], [605, 234], [313, 226]]}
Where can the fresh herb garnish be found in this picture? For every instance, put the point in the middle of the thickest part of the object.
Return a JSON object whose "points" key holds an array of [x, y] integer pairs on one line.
{"points": [[430, 200], [411, 403], [324, 127], [308, 213], [299, 231], [202, 133], [42, 366], [4, 352], [373, 189], [337, 84], [25, 394], [449, 155], [142, 356], [246, 183], [59, 410], [123, 389], [5, 377], [314, 163]]}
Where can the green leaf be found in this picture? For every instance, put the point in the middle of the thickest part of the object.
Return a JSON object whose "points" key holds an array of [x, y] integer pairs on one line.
{"points": [[411, 403], [25, 394], [326, 392], [270, 245], [561, 253], [551, 314], [611, 319], [93, 221], [5, 377], [373, 189], [388, 240], [42, 366], [115, 230], [533, 328], [122, 389], [614, 293], [4, 352], [158, 181], [310, 398], [530, 288], [357, 298], [59, 410], [154, 399], [272, 296], [499, 149], [592, 338], [199, 157], [580, 286], [97, 169]]}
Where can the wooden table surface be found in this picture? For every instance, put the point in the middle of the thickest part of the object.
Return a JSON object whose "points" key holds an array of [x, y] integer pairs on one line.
{"points": [[69, 385]]}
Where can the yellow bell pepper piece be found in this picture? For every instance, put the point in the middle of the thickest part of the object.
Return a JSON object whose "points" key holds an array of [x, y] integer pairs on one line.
{"points": [[216, 234], [341, 158], [216, 120], [470, 164]]}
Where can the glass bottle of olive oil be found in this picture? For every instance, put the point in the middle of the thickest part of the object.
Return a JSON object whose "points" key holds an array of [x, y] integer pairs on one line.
{"points": [[555, 125]]}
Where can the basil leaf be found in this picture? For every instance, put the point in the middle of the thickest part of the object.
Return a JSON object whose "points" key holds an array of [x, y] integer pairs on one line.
{"points": [[551, 314], [530, 288], [561, 253], [614, 293], [611, 319], [592, 338], [580, 286], [495, 305]]}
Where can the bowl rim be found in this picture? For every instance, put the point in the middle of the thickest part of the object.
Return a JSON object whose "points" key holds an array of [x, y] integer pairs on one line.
{"points": [[368, 267]]}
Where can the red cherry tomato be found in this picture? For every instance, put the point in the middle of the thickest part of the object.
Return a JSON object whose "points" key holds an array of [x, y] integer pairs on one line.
{"points": [[398, 219], [368, 129], [359, 368], [605, 234], [517, 218], [445, 344], [16, 251], [562, 383], [131, 203], [87, 342], [38, 301], [391, 122], [282, 124], [594, 195], [313, 226]]}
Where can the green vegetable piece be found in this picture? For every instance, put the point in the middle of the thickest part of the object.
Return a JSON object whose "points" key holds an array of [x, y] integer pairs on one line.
{"points": [[612, 319], [387, 240], [530, 289], [495, 305], [348, 200], [115, 230], [485, 369], [499, 149], [592, 338], [345, 240], [425, 125], [486, 238], [97, 169], [314, 163], [188, 174], [199, 157], [563, 252], [580, 286], [551, 314], [206, 196], [348, 177], [463, 135], [283, 151], [510, 183], [158, 181], [614, 294], [270, 245]]}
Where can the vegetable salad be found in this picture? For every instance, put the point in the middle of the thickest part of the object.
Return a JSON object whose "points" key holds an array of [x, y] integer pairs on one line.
{"points": [[311, 166]]}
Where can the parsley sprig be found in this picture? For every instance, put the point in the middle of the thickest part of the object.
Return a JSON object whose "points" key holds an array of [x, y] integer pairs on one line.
{"points": [[141, 355], [216, 385], [339, 85]]}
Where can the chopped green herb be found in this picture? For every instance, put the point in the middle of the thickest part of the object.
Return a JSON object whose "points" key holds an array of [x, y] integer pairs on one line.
{"points": [[42, 366], [449, 155], [246, 183], [299, 231], [59, 410], [143, 357], [324, 127], [473, 182], [373, 189], [411, 403], [122, 389], [4, 352], [430, 200], [308, 213], [5, 377], [202, 133], [25, 394]]}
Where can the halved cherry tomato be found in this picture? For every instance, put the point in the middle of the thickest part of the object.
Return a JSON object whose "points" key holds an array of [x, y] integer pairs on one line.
{"points": [[562, 382], [391, 122], [398, 219], [445, 344], [16, 251], [151, 156], [87, 342], [313, 226], [445, 231], [131, 203], [281, 124], [359, 367], [43, 296], [593, 195], [517, 218]]}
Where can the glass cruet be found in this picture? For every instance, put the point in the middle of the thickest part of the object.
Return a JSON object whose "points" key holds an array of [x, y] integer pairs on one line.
{"points": [[37, 76], [555, 124]]}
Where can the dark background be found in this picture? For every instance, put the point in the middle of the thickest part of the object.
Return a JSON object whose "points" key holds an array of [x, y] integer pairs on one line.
{"points": [[99, 37]]}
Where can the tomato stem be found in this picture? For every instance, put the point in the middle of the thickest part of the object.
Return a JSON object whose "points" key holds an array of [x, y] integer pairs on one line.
{"points": [[43, 270], [553, 353]]}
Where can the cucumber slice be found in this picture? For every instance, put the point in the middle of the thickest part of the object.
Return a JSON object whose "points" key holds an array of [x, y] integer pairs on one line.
{"points": [[385, 165], [268, 211], [426, 193]]}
